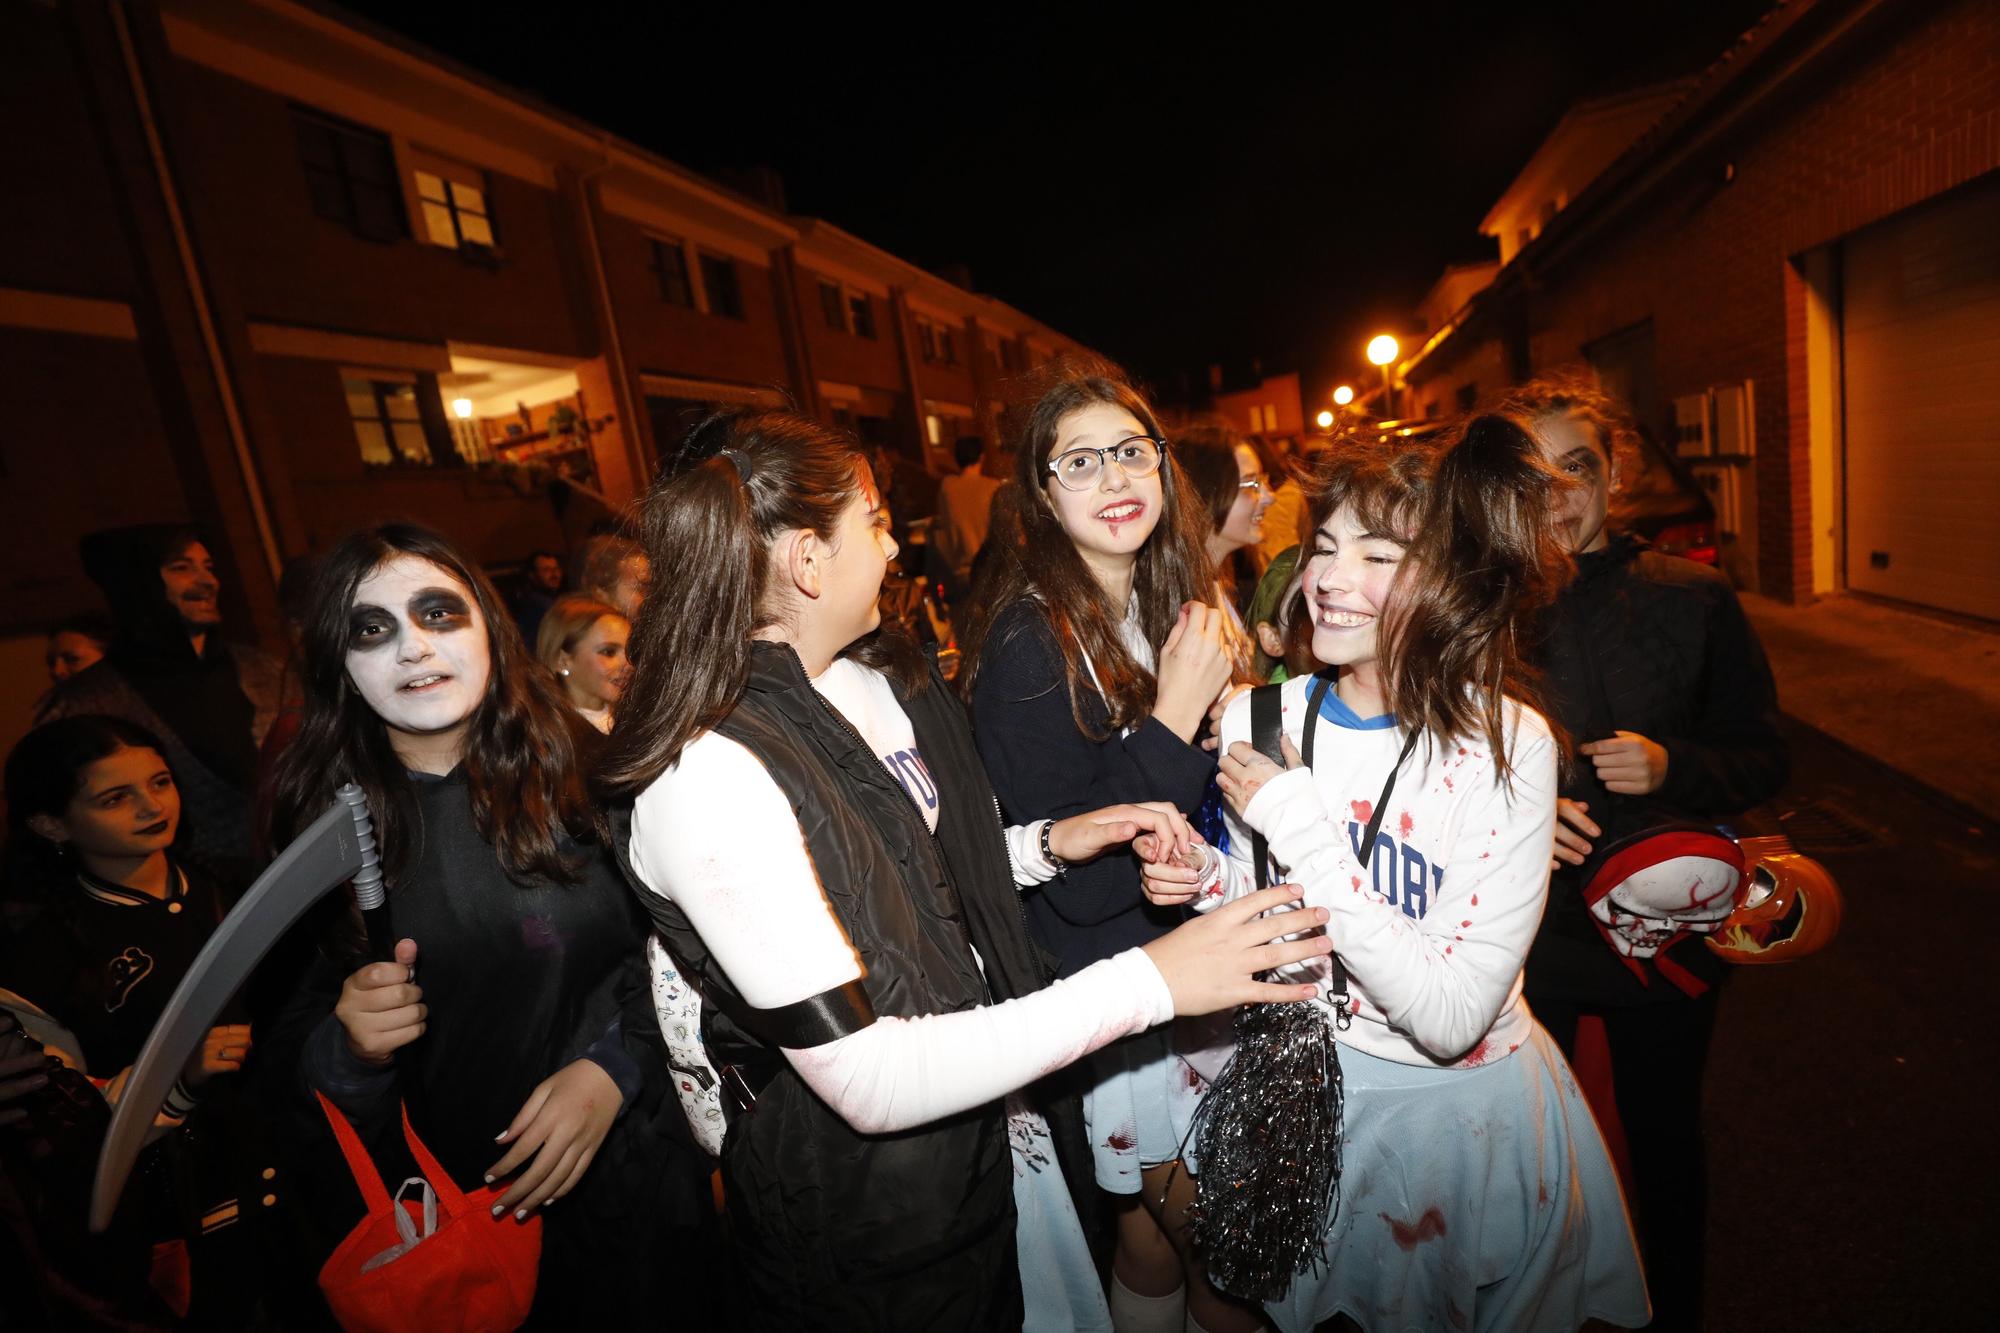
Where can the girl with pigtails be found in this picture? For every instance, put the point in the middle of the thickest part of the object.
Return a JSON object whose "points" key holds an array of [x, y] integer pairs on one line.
{"points": [[801, 809], [1416, 801]]}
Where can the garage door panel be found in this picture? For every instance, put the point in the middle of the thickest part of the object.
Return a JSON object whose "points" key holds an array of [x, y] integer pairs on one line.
{"points": [[1920, 328]]}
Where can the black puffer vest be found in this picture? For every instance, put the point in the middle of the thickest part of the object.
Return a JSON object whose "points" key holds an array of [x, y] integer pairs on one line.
{"points": [[911, 1230]]}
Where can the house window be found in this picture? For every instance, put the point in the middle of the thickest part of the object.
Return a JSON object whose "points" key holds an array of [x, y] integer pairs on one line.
{"points": [[833, 306], [718, 279], [927, 339], [350, 175], [947, 349], [454, 210], [670, 271], [861, 314], [387, 423]]}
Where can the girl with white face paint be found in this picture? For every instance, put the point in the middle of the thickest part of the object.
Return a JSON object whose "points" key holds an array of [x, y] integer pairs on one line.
{"points": [[502, 1020], [1418, 807]]}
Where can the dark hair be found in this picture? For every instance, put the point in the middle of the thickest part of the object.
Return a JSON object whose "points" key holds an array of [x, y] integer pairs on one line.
{"points": [[44, 770], [690, 645], [92, 625], [1482, 557], [1571, 391], [541, 554], [1205, 447], [521, 760], [968, 450], [1037, 560]]}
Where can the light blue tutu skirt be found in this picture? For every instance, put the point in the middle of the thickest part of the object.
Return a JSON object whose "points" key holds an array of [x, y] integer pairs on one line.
{"points": [[1475, 1199], [1060, 1289], [1138, 1097]]}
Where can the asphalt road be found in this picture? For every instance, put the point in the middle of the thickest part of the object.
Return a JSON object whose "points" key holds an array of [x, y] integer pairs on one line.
{"points": [[1851, 1102]]}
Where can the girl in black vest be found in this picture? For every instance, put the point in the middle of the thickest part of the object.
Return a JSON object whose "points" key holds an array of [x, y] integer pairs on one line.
{"points": [[514, 1022], [811, 829]]}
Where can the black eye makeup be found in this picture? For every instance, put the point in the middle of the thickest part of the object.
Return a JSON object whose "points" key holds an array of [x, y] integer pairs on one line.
{"points": [[440, 607], [367, 627]]}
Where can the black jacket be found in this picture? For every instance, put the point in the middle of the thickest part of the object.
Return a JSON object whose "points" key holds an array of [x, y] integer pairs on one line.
{"points": [[834, 1228], [1679, 664], [1043, 767]]}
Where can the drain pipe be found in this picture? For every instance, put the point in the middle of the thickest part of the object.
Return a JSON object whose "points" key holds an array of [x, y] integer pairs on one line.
{"points": [[204, 317], [614, 346]]}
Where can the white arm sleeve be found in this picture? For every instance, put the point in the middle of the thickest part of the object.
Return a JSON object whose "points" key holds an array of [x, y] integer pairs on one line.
{"points": [[903, 1072], [716, 836], [1024, 855], [1442, 979]]}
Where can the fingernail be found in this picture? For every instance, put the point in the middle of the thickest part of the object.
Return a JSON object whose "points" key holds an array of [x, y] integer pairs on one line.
{"points": [[489, 1180], [497, 1210], [501, 1137], [520, 1214]]}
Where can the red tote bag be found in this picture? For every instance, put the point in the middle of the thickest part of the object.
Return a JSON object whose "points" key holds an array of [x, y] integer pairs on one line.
{"points": [[432, 1258]]}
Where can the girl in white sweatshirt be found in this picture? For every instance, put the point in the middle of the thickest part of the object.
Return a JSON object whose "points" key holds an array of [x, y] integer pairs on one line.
{"points": [[1476, 1192]]}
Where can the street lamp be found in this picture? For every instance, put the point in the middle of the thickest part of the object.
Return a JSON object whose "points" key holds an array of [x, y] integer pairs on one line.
{"points": [[1343, 395], [1382, 350], [1325, 419]]}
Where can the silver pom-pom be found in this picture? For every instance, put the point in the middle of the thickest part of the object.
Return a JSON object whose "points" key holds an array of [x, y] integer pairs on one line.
{"points": [[1269, 1148]]}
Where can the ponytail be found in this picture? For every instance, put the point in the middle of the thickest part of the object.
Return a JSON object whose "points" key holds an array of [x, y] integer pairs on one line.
{"points": [[1485, 557], [741, 479]]}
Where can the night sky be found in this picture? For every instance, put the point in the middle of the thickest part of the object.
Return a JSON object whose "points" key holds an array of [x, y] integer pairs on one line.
{"points": [[1270, 185]]}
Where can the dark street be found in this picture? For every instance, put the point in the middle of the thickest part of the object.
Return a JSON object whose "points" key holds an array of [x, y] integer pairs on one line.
{"points": [[1851, 1187]]}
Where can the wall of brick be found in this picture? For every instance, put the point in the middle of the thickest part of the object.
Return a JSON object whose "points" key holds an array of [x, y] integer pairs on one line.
{"points": [[1904, 114], [241, 172]]}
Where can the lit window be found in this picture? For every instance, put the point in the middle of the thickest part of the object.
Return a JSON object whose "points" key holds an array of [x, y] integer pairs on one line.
{"points": [[387, 423], [934, 428], [670, 272], [454, 211], [718, 279]]}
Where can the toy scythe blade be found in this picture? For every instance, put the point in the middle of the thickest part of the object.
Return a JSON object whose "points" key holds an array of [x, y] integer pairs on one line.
{"points": [[338, 847]]}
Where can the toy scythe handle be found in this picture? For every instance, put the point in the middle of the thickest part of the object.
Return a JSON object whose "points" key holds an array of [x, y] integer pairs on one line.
{"points": [[338, 847]]}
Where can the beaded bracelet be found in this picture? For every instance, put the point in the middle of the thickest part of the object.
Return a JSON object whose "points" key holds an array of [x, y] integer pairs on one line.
{"points": [[1048, 855]]}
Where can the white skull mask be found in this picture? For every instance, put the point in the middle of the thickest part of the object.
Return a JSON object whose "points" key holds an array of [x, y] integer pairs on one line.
{"points": [[1645, 911]]}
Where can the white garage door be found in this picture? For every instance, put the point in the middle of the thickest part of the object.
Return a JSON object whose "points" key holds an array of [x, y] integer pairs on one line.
{"points": [[1920, 323]]}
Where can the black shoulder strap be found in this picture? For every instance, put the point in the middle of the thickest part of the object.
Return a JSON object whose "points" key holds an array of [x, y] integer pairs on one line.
{"points": [[1266, 737]]}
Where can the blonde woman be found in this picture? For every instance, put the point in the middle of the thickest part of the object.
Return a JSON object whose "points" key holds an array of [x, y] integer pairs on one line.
{"points": [[583, 641]]}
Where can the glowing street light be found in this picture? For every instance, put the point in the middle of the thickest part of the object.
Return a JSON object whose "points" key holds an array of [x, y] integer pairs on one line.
{"points": [[1343, 395], [1325, 419], [1382, 351]]}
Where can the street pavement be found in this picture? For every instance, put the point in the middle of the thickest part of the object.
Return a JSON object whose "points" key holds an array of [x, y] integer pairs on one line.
{"points": [[1851, 1100]]}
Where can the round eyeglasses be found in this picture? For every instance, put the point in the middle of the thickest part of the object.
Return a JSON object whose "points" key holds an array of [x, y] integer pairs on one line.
{"points": [[1136, 456]]}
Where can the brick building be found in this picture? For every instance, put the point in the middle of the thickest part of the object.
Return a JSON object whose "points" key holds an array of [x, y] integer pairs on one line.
{"points": [[276, 271], [1793, 276]]}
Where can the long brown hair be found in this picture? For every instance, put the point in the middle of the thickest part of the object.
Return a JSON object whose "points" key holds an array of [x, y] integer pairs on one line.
{"points": [[1036, 560], [1482, 557], [714, 525], [521, 760]]}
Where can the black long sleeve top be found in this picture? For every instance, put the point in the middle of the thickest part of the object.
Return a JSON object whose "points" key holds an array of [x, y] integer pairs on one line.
{"points": [[1680, 665], [1043, 767]]}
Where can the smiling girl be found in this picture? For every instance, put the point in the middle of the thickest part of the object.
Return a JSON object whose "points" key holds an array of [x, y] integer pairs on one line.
{"points": [[502, 1021], [1091, 662], [810, 827], [1477, 1193], [583, 641]]}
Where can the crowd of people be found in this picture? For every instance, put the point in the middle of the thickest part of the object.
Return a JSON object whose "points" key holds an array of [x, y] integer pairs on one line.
{"points": [[757, 963]]}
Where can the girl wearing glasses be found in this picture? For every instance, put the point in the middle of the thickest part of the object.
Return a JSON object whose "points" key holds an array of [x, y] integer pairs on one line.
{"points": [[1091, 661], [1418, 804]]}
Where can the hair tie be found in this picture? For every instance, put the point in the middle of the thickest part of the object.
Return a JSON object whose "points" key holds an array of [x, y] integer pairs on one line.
{"points": [[740, 461]]}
